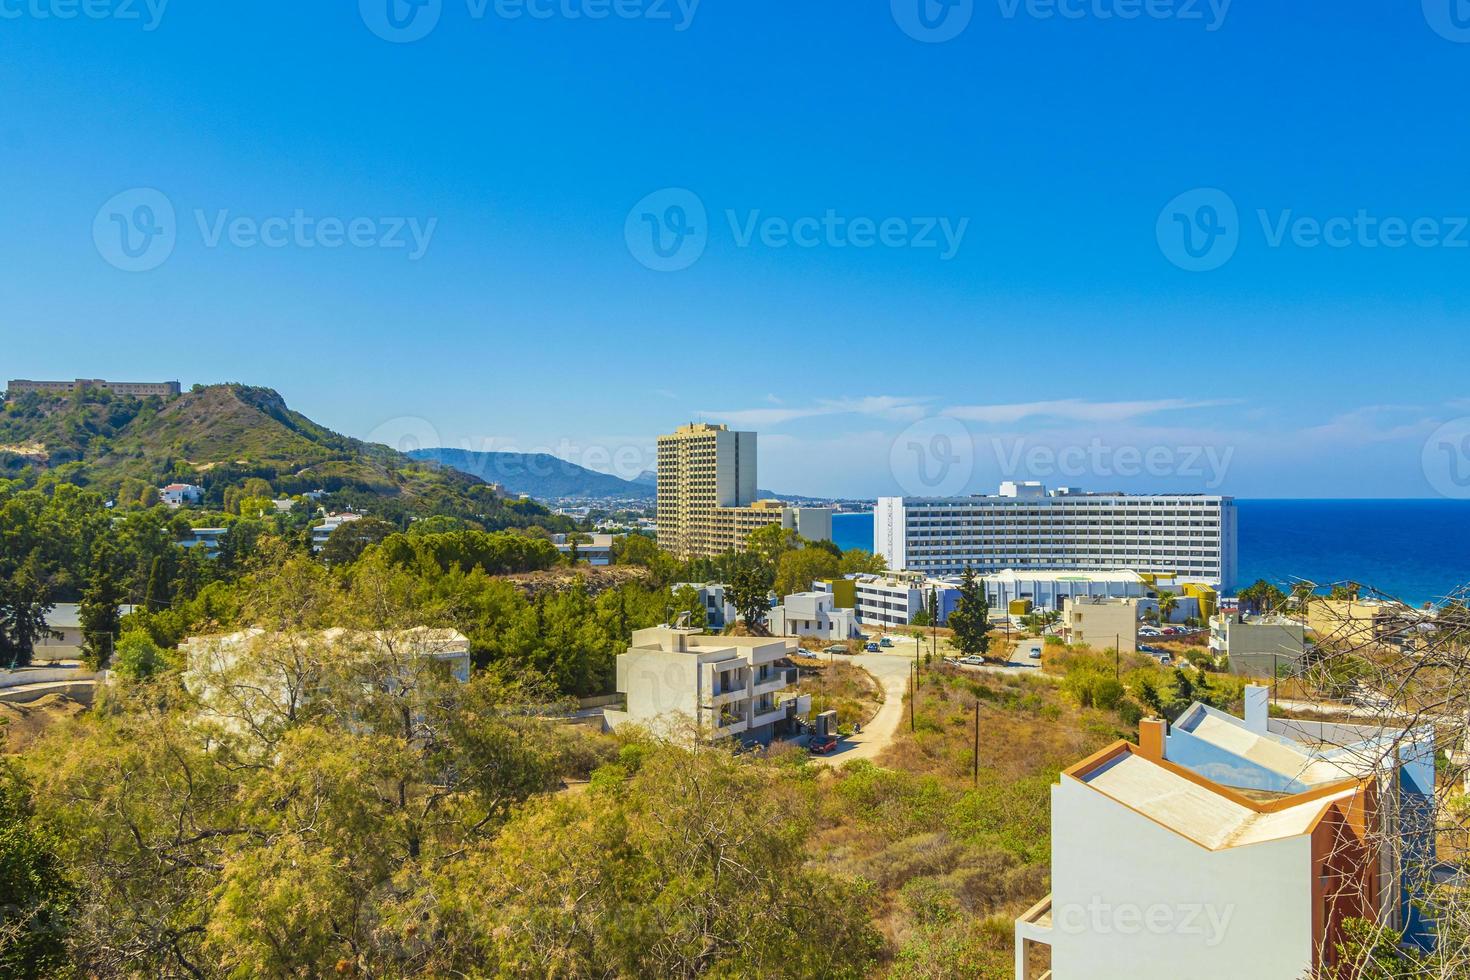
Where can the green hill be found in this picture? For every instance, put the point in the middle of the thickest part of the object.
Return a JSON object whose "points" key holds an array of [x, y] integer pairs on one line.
{"points": [[220, 436]]}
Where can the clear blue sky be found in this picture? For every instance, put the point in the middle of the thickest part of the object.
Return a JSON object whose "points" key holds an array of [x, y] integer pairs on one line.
{"points": [[1062, 331]]}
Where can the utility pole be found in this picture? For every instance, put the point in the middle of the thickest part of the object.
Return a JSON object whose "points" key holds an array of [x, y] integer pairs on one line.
{"points": [[1117, 656], [913, 696], [977, 746]]}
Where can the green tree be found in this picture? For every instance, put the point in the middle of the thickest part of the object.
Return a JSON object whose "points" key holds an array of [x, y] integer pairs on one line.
{"points": [[25, 599], [36, 888], [99, 614], [797, 570], [750, 589], [686, 599], [970, 618], [138, 657], [347, 543]]}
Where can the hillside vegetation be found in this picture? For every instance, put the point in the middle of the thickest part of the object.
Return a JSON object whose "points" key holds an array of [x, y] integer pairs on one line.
{"points": [[218, 437]]}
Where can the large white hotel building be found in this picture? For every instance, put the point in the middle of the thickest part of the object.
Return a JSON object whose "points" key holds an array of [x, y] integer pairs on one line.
{"points": [[1025, 527]]}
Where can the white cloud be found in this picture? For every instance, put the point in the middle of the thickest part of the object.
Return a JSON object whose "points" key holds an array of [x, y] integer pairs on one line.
{"points": [[893, 407], [1075, 410]]}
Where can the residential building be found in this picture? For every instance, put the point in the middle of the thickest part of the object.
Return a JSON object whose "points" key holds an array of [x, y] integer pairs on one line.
{"points": [[719, 612], [1259, 646], [813, 614], [891, 601], [594, 549], [208, 538], [180, 494], [1024, 528], [1101, 623], [1259, 755], [65, 618], [1355, 622], [247, 677], [724, 686], [1158, 873], [321, 532], [138, 389], [707, 494]]}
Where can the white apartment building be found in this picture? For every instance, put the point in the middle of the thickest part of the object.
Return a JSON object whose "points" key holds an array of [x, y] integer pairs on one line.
{"points": [[892, 600], [321, 532], [180, 494], [594, 549], [1024, 528], [813, 614], [724, 686]]}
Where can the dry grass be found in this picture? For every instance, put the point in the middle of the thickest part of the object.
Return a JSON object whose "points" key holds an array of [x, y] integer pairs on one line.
{"points": [[22, 724], [840, 685]]}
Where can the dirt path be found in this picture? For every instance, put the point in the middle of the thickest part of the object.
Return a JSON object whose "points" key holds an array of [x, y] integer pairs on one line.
{"points": [[891, 671]]}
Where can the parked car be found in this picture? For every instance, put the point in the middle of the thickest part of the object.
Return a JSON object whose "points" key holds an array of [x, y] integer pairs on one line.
{"points": [[1150, 631], [872, 648], [1034, 654], [803, 652], [824, 746], [972, 661], [885, 642], [836, 648]]}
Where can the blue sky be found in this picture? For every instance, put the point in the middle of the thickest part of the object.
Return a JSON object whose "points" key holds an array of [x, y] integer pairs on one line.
{"points": [[903, 251]]}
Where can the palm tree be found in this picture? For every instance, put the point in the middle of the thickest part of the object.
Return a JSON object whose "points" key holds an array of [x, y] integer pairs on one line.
{"points": [[1168, 602]]}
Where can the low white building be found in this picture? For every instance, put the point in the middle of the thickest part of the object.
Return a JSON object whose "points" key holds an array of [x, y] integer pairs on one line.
{"points": [[719, 612], [253, 678], [66, 619], [813, 614], [892, 601], [181, 494], [1048, 590], [594, 549], [321, 532], [723, 686]]}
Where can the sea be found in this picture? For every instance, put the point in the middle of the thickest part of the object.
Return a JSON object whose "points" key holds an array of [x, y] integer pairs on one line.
{"points": [[1414, 550]]}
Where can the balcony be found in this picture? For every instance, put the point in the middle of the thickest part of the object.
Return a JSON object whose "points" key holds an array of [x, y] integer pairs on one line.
{"points": [[1033, 942]]}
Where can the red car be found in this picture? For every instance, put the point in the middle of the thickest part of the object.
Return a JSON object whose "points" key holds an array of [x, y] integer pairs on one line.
{"points": [[822, 746]]}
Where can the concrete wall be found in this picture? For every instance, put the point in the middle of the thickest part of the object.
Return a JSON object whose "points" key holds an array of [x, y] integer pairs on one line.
{"points": [[1133, 899]]}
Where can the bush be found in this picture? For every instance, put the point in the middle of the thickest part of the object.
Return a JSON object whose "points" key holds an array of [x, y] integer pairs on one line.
{"points": [[137, 657]]}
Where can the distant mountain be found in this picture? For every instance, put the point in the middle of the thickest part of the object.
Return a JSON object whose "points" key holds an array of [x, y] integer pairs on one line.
{"points": [[539, 475], [218, 437]]}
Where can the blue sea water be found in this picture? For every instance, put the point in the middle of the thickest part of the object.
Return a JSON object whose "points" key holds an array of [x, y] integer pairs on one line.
{"points": [[1415, 550]]}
